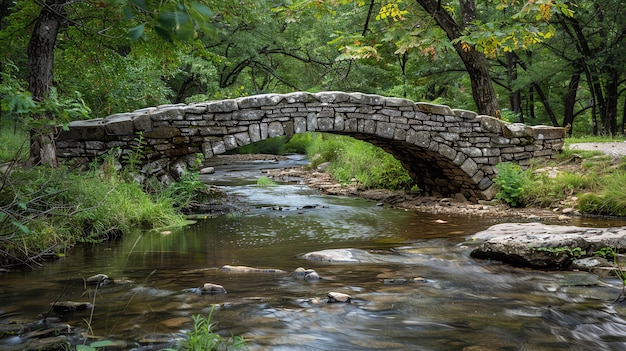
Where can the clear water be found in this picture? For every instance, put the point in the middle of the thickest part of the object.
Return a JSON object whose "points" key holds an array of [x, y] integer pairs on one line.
{"points": [[458, 303]]}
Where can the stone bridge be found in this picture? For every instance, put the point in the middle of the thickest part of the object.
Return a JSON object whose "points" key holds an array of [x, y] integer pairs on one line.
{"points": [[446, 151]]}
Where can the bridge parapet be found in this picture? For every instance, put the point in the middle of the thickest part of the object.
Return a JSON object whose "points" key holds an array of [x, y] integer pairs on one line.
{"points": [[447, 151]]}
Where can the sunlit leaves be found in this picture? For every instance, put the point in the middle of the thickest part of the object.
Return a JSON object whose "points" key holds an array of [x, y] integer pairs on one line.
{"points": [[537, 10], [392, 11], [352, 48], [493, 38]]}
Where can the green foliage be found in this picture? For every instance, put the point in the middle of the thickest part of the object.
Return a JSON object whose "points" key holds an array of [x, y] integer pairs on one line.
{"points": [[352, 159], [548, 190], [171, 20], [18, 107], [606, 252], [182, 192], [572, 252], [299, 143], [611, 200], [203, 338], [13, 144], [273, 146], [265, 182], [15, 100], [133, 158], [512, 182], [44, 209]]}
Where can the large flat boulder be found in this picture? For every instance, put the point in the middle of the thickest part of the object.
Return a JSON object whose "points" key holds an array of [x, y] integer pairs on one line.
{"points": [[545, 246], [341, 256]]}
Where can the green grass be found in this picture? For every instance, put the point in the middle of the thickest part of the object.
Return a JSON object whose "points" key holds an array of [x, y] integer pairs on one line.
{"points": [[593, 139], [297, 144], [265, 182], [610, 200], [597, 180], [352, 159], [47, 209], [13, 142]]}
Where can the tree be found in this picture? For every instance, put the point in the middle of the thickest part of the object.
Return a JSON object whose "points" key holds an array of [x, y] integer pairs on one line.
{"points": [[475, 61], [40, 75], [171, 20], [597, 34]]}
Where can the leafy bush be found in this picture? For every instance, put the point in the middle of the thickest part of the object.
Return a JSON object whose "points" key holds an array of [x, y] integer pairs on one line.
{"points": [[512, 181]]}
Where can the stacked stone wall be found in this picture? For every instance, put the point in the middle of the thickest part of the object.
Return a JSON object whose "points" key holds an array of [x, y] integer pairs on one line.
{"points": [[447, 151]]}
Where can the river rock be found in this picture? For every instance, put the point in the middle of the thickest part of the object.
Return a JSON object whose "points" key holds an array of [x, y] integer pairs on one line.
{"points": [[99, 279], [246, 269], [341, 255], [94, 279], [53, 343], [597, 265], [207, 170], [210, 288], [308, 275], [69, 306], [544, 246], [334, 297]]}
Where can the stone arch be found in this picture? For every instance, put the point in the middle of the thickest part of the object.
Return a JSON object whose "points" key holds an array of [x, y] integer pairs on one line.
{"points": [[446, 151]]}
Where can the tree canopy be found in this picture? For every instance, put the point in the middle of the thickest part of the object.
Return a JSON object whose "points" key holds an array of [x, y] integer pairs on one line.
{"points": [[538, 62]]}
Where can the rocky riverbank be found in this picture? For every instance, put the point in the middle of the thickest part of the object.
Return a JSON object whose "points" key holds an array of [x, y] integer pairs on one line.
{"points": [[458, 205]]}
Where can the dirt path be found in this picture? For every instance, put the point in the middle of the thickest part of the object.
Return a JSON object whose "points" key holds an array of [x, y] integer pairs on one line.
{"points": [[617, 148]]}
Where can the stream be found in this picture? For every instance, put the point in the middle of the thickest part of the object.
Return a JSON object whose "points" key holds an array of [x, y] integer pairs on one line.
{"points": [[423, 292]]}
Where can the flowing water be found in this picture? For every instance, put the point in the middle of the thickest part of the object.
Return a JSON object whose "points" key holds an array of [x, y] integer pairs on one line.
{"points": [[424, 292]]}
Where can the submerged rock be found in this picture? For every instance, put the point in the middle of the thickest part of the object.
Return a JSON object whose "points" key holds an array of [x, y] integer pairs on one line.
{"points": [[246, 269], [341, 255], [99, 279], [52, 343], [335, 297], [306, 274], [210, 288], [545, 246], [69, 306]]}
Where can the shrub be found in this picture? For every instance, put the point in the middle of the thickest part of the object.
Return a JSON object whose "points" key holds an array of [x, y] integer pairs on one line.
{"points": [[512, 181]]}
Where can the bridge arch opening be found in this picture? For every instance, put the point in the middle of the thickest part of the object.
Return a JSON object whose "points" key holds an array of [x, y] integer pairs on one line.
{"points": [[351, 159]]}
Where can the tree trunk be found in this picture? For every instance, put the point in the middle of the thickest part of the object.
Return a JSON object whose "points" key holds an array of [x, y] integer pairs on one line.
{"points": [[40, 76], [475, 62], [546, 104], [624, 118], [515, 99], [610, 114], [570, 100]]}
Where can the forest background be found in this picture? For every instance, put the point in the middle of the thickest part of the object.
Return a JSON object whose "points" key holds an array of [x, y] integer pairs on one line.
{"points": [[551, 62]]}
